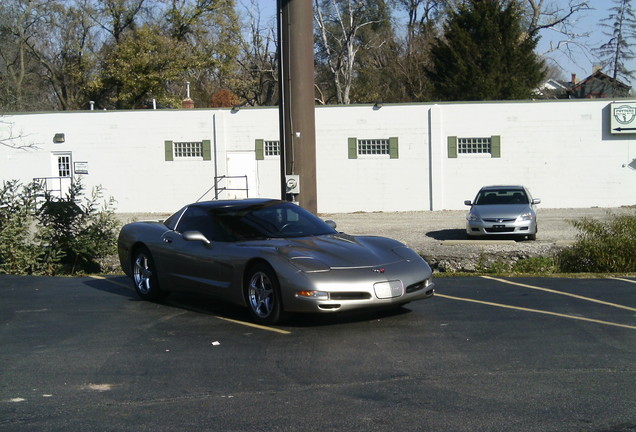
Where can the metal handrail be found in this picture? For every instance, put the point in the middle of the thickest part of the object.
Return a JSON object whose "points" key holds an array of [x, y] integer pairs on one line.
{"points": [[218, 190]]}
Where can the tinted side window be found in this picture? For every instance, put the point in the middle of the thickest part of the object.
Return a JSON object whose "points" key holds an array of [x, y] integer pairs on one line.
{"points": [[199, 219]]}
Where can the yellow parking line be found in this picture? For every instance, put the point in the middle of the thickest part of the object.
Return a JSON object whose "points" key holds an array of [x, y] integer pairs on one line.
{"points": [[536, 311], [624, 280], [561, 293], [248, 324], [109, 280]]}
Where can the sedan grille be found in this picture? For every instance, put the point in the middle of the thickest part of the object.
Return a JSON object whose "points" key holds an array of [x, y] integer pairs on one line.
{"points": [[500, 230], [499, 220]]}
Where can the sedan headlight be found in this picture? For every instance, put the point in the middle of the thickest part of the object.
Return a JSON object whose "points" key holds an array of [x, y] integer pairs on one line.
{"points": [[527, 216], [309, 265], [472, 217]]}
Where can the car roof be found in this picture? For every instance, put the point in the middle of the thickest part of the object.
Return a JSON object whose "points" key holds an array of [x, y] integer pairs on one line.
{"points": [[238, 203], [485, 188]]}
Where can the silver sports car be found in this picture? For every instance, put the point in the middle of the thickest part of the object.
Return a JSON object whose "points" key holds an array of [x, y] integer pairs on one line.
{"points": [[502, 210], [273, 257]]}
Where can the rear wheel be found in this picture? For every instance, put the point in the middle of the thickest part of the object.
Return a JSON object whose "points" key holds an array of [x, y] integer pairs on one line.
{"points": [[263, 295], [145, 275]]}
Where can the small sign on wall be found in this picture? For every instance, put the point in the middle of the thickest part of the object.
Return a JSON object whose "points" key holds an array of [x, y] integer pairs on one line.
{"points": [[80, 167], [623, 118]]}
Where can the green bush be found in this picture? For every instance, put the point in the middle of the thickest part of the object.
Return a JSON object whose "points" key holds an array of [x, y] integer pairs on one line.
{"points": [[42, 235], [535, 265], [602, 247]]}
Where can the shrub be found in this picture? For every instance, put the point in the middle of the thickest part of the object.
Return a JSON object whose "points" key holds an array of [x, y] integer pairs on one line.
{"points": [[602, 247], [19, 253], [42, 235]]}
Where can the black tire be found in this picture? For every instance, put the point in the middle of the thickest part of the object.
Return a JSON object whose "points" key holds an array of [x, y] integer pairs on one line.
{"points": [[262, 293], [144, 275]]}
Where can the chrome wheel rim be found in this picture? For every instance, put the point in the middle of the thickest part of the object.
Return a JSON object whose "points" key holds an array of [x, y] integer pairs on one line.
{"points": [[142, 273], [261, 294]]}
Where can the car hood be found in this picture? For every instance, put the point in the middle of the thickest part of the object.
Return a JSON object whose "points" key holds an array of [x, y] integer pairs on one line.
{"points": [[504, 211], [345, 251]]}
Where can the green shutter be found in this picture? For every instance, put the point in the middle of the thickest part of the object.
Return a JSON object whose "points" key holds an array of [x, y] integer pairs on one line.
{"points": [[168, 149], [495, 146], [260, 149], [393, 148], [452, 146], [353, 148], [206, 149]]}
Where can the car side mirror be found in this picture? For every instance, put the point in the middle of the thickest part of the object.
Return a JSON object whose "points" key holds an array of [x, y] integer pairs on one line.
{"points": [[536, 201], [468, 202], [195, 236], [331, 223]]}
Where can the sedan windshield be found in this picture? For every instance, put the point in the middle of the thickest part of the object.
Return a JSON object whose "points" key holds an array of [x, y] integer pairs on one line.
{"points": [[501, 196], [240, 223]]}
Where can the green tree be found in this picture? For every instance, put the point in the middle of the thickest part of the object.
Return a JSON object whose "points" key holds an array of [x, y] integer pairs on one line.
{"points": [[621, 29], [211, 32], [141, 67], [484, 54]]}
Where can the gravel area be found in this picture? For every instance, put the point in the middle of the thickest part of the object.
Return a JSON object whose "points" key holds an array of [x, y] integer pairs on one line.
{"points": [[440, 236]]}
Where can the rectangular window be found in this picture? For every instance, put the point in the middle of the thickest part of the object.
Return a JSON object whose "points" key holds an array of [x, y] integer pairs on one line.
{"points": [[477, 147], [272, 148], [373, 147], [473, 145], [191, 149]]}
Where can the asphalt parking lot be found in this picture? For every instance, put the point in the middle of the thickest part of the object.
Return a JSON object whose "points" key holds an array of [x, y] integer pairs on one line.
{"points": [[485, 354]]}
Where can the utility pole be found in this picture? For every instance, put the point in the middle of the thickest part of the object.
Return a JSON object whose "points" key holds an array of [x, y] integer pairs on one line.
{"points": [[296, 101]]}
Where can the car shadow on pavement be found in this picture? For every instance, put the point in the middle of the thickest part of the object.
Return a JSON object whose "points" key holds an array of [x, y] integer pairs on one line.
{"points": [[113, 285], [201, 304], [448, 234], [355, 316]]}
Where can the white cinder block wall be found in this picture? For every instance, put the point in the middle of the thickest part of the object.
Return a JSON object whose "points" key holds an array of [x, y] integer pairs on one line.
{"points": [[562, 150]]}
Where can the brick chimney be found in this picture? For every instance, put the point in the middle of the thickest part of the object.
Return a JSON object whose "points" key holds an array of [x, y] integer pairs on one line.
{"points": [[573, 78], [187, 103]]}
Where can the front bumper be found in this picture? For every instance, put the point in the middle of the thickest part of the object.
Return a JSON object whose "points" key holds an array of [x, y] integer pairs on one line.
{"points": [[349, 289], [483, 228]]}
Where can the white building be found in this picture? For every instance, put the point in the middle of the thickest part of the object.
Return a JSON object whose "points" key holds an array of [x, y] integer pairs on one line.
{"points": [[403, 157]]}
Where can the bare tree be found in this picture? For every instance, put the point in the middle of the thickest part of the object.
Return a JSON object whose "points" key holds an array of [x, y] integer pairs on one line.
{"points": [[19, 29], [548, 15], [339, 23], [12, 139], [257, 80], [621, 26]]}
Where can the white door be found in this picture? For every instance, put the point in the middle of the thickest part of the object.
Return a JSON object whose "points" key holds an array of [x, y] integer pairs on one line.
{"points": [[242, 178], [59, 183]]}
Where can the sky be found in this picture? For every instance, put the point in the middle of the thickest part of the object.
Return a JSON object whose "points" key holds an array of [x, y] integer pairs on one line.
{"points": [[580, 61], [588, 21]]}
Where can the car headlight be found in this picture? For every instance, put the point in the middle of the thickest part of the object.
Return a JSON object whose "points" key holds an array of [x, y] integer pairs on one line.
{"points": [[309, 265], [472, 217], [525, 217]]}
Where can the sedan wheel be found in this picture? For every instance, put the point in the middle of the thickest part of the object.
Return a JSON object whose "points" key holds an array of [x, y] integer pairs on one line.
{"points": [[263, 295], [145, 276]]}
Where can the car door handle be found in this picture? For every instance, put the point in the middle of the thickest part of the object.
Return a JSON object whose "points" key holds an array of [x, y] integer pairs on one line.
{"points": [[167, 240]]}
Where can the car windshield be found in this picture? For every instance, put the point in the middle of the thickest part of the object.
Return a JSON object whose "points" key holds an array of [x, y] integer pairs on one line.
{"points": [[501, 196], [240, 223]]}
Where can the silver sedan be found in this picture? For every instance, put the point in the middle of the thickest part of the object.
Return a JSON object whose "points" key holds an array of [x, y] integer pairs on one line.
{"points": [[502, 211], [273, 257]]}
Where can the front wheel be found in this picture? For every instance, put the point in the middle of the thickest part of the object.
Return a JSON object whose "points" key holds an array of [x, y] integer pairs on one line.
{"points": [[145, 275], [263, 295]]}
